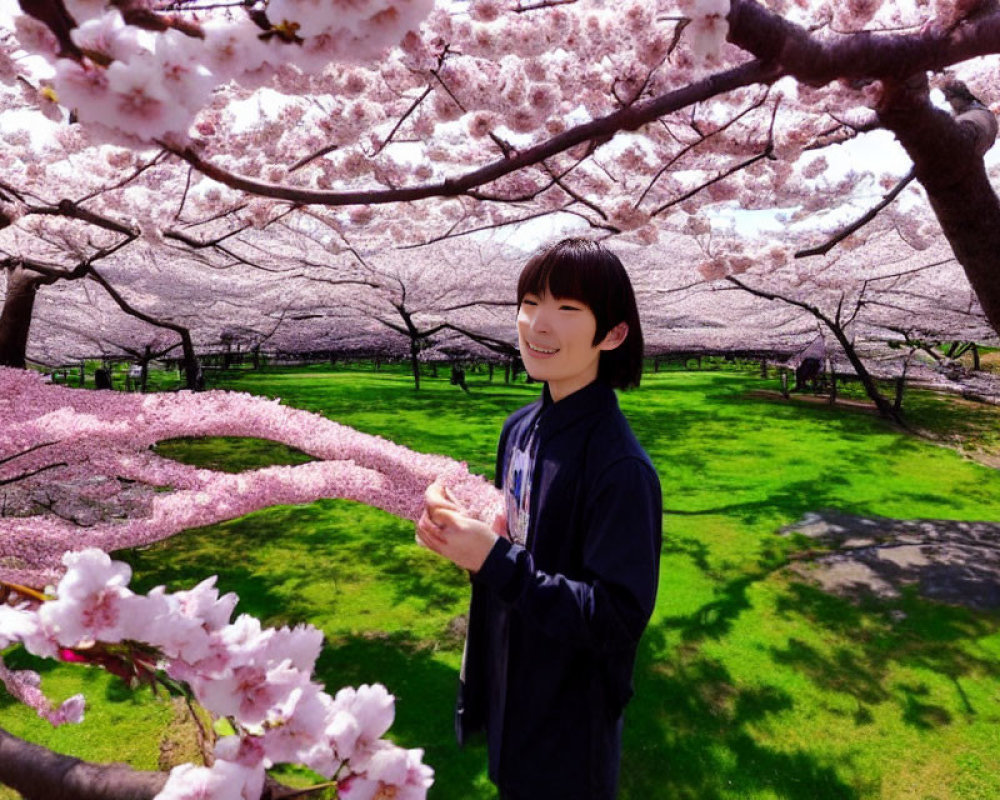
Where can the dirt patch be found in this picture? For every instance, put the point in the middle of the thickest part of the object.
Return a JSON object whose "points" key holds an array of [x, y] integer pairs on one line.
{"points": [[816, 400], [949, 561], [179, 744]]}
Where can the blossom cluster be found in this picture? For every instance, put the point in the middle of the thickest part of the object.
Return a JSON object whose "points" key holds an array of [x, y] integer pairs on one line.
{"points": [[709, 27], [259, 679], [139, 85], [75, 436]]}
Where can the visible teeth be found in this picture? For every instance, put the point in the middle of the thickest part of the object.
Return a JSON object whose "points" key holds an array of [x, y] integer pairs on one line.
{"points": [[541, 349]]}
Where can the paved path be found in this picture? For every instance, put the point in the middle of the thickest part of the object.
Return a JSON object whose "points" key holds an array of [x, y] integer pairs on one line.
{"points": [[949, 561]]}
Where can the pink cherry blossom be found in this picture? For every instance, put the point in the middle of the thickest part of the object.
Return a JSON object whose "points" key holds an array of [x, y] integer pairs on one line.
{"points": [[93, 601]]}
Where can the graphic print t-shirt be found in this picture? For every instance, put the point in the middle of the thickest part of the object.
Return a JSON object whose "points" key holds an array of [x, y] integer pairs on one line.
{"points": [[517, 487]]}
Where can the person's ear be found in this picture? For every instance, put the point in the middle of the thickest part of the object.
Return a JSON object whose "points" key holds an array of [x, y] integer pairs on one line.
{"points": [[615, 337]]}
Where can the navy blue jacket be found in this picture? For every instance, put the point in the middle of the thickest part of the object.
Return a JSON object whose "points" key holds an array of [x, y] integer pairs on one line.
{"points": [[554, 625]]}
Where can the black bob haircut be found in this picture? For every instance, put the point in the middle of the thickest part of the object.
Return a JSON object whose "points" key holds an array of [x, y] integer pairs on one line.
{"points": [[586, 271]]}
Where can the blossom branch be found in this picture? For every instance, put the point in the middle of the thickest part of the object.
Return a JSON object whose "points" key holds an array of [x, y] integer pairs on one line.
{"points": [[701, 140], [629, 118], [816, 62], [860, 222]]}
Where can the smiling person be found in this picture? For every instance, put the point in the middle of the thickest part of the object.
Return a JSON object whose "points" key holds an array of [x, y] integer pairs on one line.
{"points": [[563, 587]]}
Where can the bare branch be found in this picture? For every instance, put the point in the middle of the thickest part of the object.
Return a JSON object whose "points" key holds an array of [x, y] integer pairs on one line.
{"points": [[313, 156], [702, 139], [402, 119], [32, 449], [157, 159], [720, 177], [541, 5], [861, 221]]}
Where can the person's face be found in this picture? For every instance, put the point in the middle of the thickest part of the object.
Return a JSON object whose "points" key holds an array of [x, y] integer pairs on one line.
{"points": [[556, 339]]}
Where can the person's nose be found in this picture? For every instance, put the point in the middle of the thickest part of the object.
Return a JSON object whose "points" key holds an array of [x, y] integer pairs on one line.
{"points": [[540, 320]]}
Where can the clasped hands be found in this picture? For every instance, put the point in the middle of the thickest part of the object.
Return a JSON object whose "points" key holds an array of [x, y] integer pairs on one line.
{"points": [[446, 528]]}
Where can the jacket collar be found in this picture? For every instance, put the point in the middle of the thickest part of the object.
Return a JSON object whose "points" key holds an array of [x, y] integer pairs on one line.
{"points": [[553, 417]]}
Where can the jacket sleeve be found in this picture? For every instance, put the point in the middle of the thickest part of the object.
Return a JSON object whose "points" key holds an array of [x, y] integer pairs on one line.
{"points": [[609, 607]]}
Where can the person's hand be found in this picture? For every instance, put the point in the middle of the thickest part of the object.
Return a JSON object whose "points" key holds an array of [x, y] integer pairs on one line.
{"points": [[459, 538], [437, 497]]}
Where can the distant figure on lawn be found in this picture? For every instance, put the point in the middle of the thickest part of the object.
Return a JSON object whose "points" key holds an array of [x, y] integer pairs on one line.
{"points": [[810, 364], [458, 378], [564, 583]]}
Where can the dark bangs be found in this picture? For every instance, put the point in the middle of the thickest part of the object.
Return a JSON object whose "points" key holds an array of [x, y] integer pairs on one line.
{"points": [[586, 271]]}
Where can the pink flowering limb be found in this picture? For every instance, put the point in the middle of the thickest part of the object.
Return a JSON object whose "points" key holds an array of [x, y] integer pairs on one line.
{"points": [[259, 679], [109, 435], [598, 130]]}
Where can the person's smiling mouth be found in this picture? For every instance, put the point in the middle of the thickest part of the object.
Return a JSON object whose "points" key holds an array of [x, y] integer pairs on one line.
{"points": [[545, 351]]}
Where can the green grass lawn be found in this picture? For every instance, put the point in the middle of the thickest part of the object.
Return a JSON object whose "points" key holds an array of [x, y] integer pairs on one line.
{"points": [[750, 683]]}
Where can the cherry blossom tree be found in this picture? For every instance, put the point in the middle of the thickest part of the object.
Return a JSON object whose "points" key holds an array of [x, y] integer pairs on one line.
{"points": [[877, 304], [638, 119], [437, 290], [630, 117]]}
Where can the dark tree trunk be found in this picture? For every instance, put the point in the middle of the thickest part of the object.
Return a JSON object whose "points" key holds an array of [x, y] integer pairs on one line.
{"points": [[194, 378], [897, 402], [958, 188], [885, 408], [144, 375], [415, 363], [15, 319]]}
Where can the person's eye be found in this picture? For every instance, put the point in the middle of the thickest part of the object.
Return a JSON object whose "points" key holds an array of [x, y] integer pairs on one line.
{"points": [[528, 302], [566, 307]]}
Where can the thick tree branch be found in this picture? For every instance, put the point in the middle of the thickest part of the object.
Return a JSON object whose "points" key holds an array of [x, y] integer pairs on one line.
{"points": [[626, 119], [815, 61], [947, 162], [40, 774]]}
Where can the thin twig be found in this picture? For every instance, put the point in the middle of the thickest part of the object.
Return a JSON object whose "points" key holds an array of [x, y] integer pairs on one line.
{"points": [[859, 223]]}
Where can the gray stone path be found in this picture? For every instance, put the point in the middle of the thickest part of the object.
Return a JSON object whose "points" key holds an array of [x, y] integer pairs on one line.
{"points": [[949, 561]]}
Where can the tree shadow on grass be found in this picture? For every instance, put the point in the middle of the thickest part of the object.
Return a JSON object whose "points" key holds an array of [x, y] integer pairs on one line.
{"points": [[689, 736], [948, 560], [791, 501], [289, 556], [910, 632]]}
